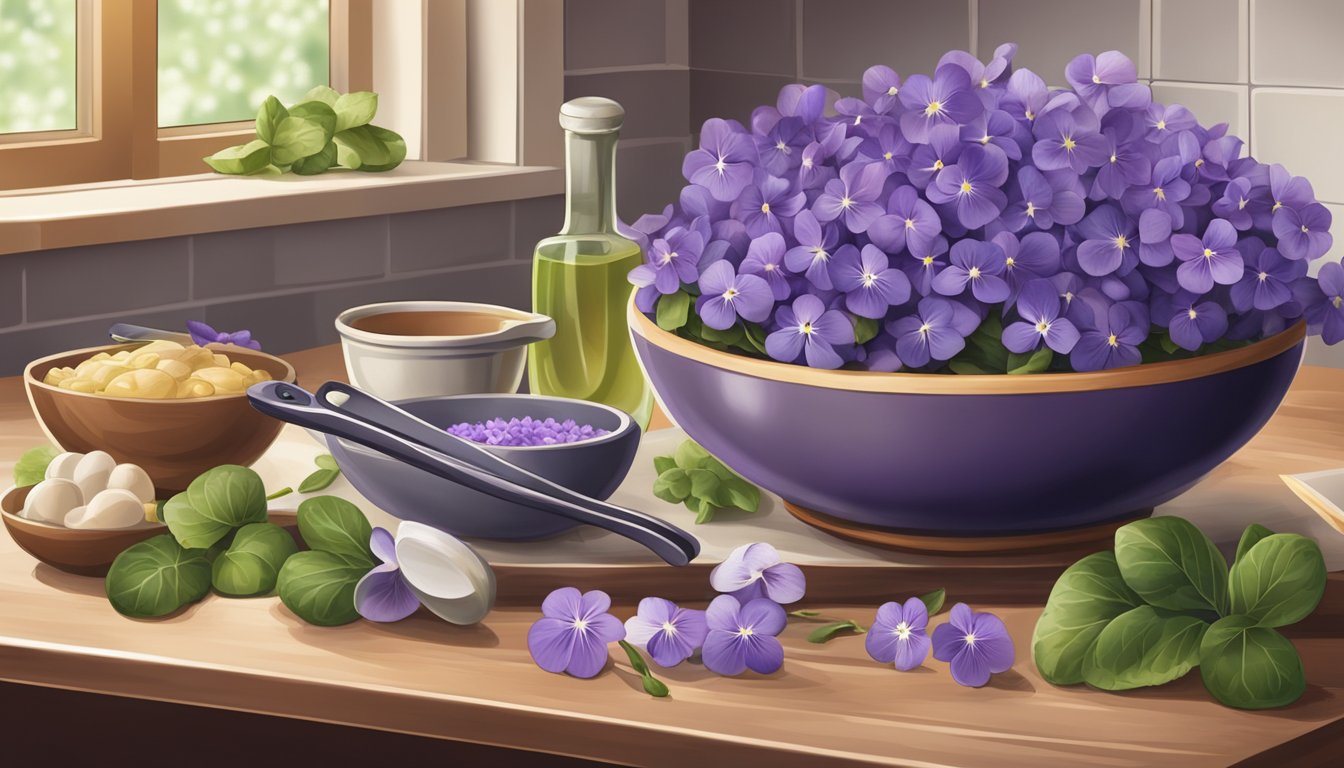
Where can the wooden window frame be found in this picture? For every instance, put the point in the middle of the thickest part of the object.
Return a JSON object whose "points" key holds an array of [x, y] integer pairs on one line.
{"points": [[117, 136]]}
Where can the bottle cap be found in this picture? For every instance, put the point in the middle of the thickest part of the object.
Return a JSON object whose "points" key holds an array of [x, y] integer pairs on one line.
{"points": [[591, 114]]}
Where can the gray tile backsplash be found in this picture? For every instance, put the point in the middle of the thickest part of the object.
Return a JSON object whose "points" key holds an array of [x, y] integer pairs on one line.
{"points": [[1297, 42], [591, 44], [842, 38], [656, 101], [99, 279], [450, 237], [744, 36], [1191, 40], [1049, 33], [11, 292]]}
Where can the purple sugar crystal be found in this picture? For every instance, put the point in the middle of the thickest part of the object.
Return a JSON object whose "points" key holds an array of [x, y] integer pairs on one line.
{"points": [[526, 431]]}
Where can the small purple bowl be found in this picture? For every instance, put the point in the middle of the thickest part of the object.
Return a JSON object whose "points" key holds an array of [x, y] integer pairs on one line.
{"points": [[964, 455]]}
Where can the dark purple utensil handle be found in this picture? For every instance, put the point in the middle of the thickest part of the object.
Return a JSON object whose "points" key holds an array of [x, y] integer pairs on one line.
{"points": [[297, 406], [380, 413]]}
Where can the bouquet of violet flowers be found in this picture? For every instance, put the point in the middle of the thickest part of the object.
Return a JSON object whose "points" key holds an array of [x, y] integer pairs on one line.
{"points": [[978, 221]]}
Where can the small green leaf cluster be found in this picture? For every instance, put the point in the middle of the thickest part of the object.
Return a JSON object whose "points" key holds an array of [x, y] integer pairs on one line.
{"points": [[693, 477], [31, 468], [985, 353], [674, 313], [319, 585], [1164, 602], [835, 627], [324, 130]]}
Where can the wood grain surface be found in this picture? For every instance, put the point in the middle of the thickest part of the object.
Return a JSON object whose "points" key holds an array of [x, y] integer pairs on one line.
{"points": [[829, 705]]}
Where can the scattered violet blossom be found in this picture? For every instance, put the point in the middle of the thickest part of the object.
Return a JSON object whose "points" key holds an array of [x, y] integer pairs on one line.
{"points": [[384, 595], [899, 634], [972, 183], [754, 571], [574, 631], [670, 634], [975, 645], [743, 636], [203, 334]]}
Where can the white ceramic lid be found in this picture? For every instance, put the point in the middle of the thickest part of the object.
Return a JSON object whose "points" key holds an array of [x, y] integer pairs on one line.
{"points": [[591, 114]]}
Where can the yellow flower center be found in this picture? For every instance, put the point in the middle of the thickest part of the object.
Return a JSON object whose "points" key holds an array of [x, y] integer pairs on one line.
{"points": [[937, 165], [973, 273], [1121, 242], [1161, 125], [1241, 203], [1277, 206], [1304, 229], [970, 638], [669, 256], [1112, 340], [1192, 314], [769, 267], [1208, 253], [868, 279], [928, 261], [669, 628], [807, 162], [933, 108], [892, 91], [765, 207], [819, 253], [1030, 115], [1337, 301], [984, 139], [730, 294], [1199, 163], [745, 631], [1113, 157], [806, 329], [1096, 79], [719, 165], [909, 223], [781, 145], [1069, 144], [1008, 262], [965, 186], [1031, 210], [845, 202], [1042, 326], [924, 329], [1263, 276], [886, 155], [902, 631], [1160, 193], [580, 624]]}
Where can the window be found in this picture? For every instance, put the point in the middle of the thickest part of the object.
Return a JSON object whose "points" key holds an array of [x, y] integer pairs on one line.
{"points": [[95, 90]]}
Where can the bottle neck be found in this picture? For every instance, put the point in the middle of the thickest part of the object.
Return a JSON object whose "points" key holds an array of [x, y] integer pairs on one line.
{"points": [[590, 183]]}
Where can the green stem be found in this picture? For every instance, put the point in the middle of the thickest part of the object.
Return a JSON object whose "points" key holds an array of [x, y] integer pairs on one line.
{"points": [[282, 492], [652, 685], [815, 616]]}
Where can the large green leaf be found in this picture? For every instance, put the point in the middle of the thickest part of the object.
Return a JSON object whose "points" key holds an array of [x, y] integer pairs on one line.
{"points": [[1144, 646], [1171, 564], [31, 468], [377, 149], [1279, 581], [319, 587], [673, 310], [1249, 666], [252, 562], [156, 577], [241, 160], [297, 137], [320, 113], [1035, 362], [334, 525], [216, 502], [322, 93], [1087, 596], [1249, 537], [268, 117], [355, 109], [315, 164], [672, 485]]}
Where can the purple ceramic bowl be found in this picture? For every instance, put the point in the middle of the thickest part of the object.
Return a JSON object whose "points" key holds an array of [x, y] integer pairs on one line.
{"points": [[970, 455]]}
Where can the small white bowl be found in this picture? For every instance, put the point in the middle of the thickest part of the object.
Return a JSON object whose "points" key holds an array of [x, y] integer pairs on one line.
{"points": [[486, 357]]}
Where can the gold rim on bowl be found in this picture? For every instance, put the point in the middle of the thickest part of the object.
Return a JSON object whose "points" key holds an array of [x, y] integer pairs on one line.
{"points": [[34, 371], [969, 384]]}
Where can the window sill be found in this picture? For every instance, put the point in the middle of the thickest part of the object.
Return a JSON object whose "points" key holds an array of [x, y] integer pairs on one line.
{"points": [[89, 214]]}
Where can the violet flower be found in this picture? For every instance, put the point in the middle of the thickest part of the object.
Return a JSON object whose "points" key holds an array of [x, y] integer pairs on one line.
{"points": [[936, 331], [668, 633], [762, 204], [1287, 190], [1331, 283], [1302, 233], [810, 257], [1035, 256], [1266, 283], [927, 160], [976, 265], [852, 197], [743, 636], [724, 162], [909, 222], [869, 283], [1195, 323], [1042, 205], [755, 570], [1165, 121], [383, 594], [1064, 142], [203, 334], [945, 99], [810, 330], [899, 634], [888, 147], [972, 185], [573, 634], [1039, 306], [1235, 204], [1210, 260], [726, 296], [1155, 238], [995, 128], [1109, 335], [765, 259], [975, 645], [670, 262], [923, 266], [1126, 165], [881, 86], [1107, 245], [1165, 191], [1108, 80]]}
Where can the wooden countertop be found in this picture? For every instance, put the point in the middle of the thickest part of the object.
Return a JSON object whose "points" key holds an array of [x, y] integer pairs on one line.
{"points": [[830, 705]]}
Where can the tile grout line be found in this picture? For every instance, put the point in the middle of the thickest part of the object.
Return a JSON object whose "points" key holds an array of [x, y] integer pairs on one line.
{"points": [[973, 26], [798, 40], [191, 267]]}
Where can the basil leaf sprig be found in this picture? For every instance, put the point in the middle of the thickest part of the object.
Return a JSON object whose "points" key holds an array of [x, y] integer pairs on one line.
{"points": [[703, 483], [1165, 602], [326, 474], [31, 468], [325, 129], [652, 685]]}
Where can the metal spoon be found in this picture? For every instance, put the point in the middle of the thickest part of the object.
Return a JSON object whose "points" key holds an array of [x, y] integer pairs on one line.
{"points": [[125, 332], [297, 406]]}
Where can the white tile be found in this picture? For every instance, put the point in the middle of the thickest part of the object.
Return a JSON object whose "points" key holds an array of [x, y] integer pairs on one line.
{"points": [[1319, 353], [1211, 104], [1201, 40], [1049, 33], [1297, 42], [1300, 127]]}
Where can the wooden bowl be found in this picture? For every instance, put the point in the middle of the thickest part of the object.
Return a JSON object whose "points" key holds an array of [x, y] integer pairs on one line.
{"points": [[172, 440], [85, 552]]}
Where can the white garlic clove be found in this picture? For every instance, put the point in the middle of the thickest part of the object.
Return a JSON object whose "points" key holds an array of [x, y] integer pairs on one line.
{"points": [[92, 471], [450, 579], [134, 479], [109, 509], [50, 500], [63, 466]]}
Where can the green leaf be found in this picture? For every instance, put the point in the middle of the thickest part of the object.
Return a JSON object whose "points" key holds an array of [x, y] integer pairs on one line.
{"points": [[241, 160], [1279, 582], [326, 461], [1144, 646], [1036, 362], [323, 94], [742, 494], [157, 577], [729, 337], [865, 329], [672, 310], [215, 503], [31, 468], [279, 494], [252, 562], [334, 525], [1171, 564], [297, 137], [672, 486], [652, 685], [315, 164], [1165, 342], [663, 463], [805, 614], [933, 601], [268, 117], [378, 149], [1253, 533], [1087, 596], [355, 109], [754, 335], [319, 587], [966, 368], [1249, 666], [347, 157], [689, 455], [319, 113], [704, 484], [703, 508], [827, 632], [319, 480]]}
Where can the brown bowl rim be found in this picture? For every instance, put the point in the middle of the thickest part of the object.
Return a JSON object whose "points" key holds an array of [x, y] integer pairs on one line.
{"points": [[30, 377], [75, 534], [969, 384]]}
